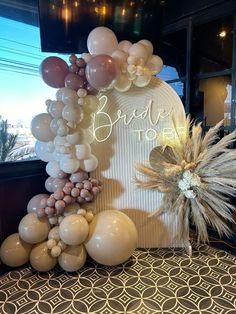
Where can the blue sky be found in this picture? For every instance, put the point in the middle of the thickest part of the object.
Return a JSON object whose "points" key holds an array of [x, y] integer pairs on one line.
{"points": [[23, 93]]}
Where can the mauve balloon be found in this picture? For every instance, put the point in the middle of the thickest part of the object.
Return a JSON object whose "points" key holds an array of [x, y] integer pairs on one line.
{"points": [[53, 71], [74, 81], [101, 70]]}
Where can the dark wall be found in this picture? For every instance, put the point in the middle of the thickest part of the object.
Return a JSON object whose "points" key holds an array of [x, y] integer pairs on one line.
{"points": [[176, 10]]}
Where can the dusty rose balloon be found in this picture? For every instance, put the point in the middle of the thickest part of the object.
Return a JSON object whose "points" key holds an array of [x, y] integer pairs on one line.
{"points": [[53, 71], [49, 184], [101, 71], [74, 81], [34, 202], [14, 251], [59, 183], [112, 237]]}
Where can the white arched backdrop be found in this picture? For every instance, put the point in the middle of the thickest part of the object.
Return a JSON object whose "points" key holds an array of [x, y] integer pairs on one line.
{"points": [[125, 129]]}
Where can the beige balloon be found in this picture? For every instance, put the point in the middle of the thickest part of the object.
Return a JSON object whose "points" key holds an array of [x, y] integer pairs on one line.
{"points": [[40, 258], [33, 229], [74, 229], [73, 258], [112, 238], [14, 251]]}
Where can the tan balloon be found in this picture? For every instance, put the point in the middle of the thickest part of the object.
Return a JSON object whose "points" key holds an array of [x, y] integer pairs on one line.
{"points": [[40, 258], [112, 238], [33, 229], [74, 229], [14, 251], [73, 258]]}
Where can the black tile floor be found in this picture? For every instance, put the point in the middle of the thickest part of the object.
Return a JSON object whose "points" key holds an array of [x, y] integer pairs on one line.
{"points": [[164, 281]]}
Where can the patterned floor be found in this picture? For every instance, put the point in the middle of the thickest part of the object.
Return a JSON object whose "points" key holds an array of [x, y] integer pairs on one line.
{"points": [[153, 281]]}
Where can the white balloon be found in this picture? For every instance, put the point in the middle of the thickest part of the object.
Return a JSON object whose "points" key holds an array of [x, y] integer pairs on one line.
{"points": [[72, 113], [68, 164], [76, 137], [55, 108], [89, 164], [42, 151], [83, 151], [86, 56], [124, 45], [40, 127], [154, 64], [139, 51], [69, 96], [143, 80], [53, 169], [102, 40], [148, 45], [123, 83], [54, 126], [59, 140]]}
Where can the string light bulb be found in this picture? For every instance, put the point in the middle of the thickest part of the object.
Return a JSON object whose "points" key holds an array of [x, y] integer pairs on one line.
{"points": [[222, 34]]}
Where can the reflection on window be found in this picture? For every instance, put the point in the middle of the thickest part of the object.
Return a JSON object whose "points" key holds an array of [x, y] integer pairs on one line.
{"points": [[212, 46], [179, 88], [168, 73], [23, 93], [216, 99]]}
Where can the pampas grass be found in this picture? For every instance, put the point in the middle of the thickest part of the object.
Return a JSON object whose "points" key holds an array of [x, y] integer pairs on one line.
{"points": [[197, 175]]}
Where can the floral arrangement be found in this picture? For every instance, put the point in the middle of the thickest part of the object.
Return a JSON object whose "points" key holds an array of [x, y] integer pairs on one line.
{"points": [[197, 175]]}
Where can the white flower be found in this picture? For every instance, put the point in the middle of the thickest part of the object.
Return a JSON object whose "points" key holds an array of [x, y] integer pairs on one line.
{"points": [[183, 185], [188, 181], [189, 194]]}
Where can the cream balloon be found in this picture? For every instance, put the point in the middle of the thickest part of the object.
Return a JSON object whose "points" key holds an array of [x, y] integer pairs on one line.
{"points": [[123, 83], [72, 113], [76, 137], [42, 151], [40, 127], [33, 229], [112, 238], [89, 164], [54, 126], [154, 64], [124, 45], [41, 259], [55, 109], [68, 164], [139, 51], [49, 184], [53, 168], [59, 140], [73, 258], [148, 45], [120, 56], [73, 229], [69, 96], [102, 40], [83, 151], [14, 251], [90, 104], [71, 209], [54, 234], [34, 202], [143, 80]]}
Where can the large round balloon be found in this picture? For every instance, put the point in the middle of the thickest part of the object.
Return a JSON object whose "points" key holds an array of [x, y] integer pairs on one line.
{"points": [[41, 259], [40, 127], [112, 237], [101, 71], [53, 71], [102, 40], [73, 258], [32, 229], [14, 251]]}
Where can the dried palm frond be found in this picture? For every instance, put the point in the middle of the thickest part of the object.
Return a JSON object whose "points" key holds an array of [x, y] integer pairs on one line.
{"points": [[197, 175]]}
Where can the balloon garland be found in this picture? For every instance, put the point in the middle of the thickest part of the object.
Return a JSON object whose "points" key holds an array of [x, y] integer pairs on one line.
{"points": [[58, 227]]}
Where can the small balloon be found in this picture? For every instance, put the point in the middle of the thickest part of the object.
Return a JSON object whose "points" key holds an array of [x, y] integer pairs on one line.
{"points": [[14, 251], [122, 84], [83, 151], [55, 109], [143, 80], [41, 259], [124, 45], [69, 96], [102, 40], [139, 51], [120, 57], [69, 165], [53, 71], [40, 127], [79, 176], [49, 184], [72, 113], [89, 164], [91, 104], [154, 64], [53, 168], [101, 71], [148, 45]]}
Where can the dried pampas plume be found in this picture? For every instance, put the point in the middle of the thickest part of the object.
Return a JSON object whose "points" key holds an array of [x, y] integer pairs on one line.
{"points": [[197, 175]]}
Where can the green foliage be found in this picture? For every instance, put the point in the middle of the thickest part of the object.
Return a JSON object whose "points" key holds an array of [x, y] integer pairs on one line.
{"points": [[7, 140]]}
